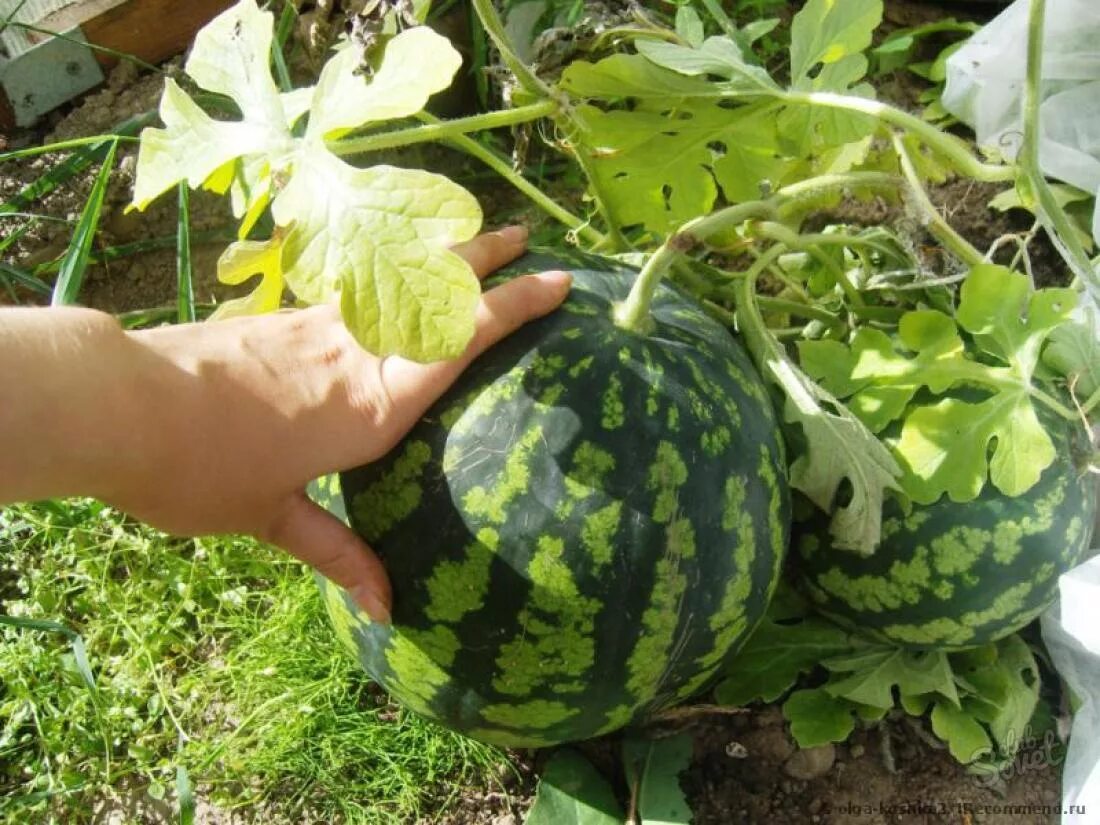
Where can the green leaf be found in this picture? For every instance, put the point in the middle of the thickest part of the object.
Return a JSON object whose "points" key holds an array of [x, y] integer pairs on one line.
{"points": [[658, 166], [416, 64], [240, 261], [994, 303], [831, 36], [775, 655], [944, 446], [689, 26], [873, 682], [653, 769], [378, 238], [632, 75], [1005, 694], [828, 39], [838, 445], [572, 791], [965, 737], [719, 56], [1073, 351], [402, 291], [818, 718]]}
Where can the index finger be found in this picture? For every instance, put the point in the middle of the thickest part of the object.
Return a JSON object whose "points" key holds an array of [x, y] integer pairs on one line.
{"points": [[488, 252]]}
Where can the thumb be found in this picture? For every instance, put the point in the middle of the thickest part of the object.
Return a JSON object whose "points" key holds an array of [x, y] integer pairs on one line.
{"points": [[317, 537]]}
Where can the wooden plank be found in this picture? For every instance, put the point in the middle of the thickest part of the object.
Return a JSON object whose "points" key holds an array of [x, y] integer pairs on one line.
{"points": [[151, 30]]}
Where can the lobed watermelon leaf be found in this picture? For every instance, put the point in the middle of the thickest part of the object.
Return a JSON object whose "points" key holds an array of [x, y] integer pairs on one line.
{"points": [[653, 768], [784, 646], [375, 238], [967, 740], [667, 158], [571, 790], [870, 677], [817, 717], [952, 446]]}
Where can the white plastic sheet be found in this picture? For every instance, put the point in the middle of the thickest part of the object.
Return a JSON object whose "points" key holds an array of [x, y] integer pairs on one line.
{"points": [[1071, 629], [985, 82]]}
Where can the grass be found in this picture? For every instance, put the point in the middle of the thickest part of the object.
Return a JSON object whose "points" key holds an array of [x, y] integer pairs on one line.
{"points": [[213, 655]]}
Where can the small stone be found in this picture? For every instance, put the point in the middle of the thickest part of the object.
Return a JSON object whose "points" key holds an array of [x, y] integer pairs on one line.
{"points": [[505, 819], [811, 763], [857, 751]]}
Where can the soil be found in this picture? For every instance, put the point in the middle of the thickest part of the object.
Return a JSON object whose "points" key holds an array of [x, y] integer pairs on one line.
{"points": [[746, 768]]}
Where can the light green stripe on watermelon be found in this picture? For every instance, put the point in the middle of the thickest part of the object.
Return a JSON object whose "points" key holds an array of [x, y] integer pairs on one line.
{"points": [[456, 588], [714, 442], [482, 405], [614, 412], [343, 622], [960, 631], [582, 366], [753, 388], [416, 659], [655, 375], [959, 549], [396, 496], [650, 658], [555, 640], [537, 713], [491, 505], [589, 468], [667, 475], [776, 520], [723, 403], [616, 718], [908, 580], [730, 621], [673, 421], [547, 366], [598, 534]]}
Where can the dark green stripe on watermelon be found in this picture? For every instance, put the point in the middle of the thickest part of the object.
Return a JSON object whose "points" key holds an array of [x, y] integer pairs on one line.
{"points": [[957, 574], [583, 530]]}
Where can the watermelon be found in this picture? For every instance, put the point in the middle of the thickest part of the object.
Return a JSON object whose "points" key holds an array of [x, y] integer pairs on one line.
{"points": [[951, 575], [583, 530]]}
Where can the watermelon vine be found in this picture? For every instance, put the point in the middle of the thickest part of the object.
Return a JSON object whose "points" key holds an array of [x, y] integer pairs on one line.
{"points": [[588, 527]]}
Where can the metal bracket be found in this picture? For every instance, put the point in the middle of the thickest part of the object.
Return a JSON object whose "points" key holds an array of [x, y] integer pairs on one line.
{"points": [[49, 74]]}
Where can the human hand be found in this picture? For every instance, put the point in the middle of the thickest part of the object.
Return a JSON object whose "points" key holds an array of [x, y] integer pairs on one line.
{"points": [[237, 416]]}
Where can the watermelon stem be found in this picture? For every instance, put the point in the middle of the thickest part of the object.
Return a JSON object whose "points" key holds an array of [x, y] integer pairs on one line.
{"points": [[634, 312], [442, 130]]}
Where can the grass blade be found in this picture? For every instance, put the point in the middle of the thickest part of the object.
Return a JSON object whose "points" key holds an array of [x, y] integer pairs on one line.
{"points": [[76, 642], [152, 316], [75, 262], [92, 150], [185, 795], [125, 250], [13, 275], [282, 35], [185, 292]]}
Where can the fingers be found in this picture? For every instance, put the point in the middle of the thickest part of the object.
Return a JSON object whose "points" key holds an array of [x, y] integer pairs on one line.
{"points": [[413, 387], [492, 250], [312, 534]]}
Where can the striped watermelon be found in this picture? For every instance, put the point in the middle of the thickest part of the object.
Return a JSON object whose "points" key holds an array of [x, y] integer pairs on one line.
{"points": [[583, 530], [952, 575]]}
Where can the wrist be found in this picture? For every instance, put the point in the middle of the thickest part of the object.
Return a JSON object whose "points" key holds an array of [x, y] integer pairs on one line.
{"points": [[60, 406]]}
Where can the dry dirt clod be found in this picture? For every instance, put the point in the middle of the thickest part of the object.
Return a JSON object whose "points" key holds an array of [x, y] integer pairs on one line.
{"points": [[811, 763]]}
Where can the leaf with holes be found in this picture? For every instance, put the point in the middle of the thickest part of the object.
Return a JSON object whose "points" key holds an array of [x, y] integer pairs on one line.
{"points": [[375, 238]]}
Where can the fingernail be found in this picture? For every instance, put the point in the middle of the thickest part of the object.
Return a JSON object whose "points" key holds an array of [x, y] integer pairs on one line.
{"points": [[514, 234], [367, 599], [555, 278]]}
